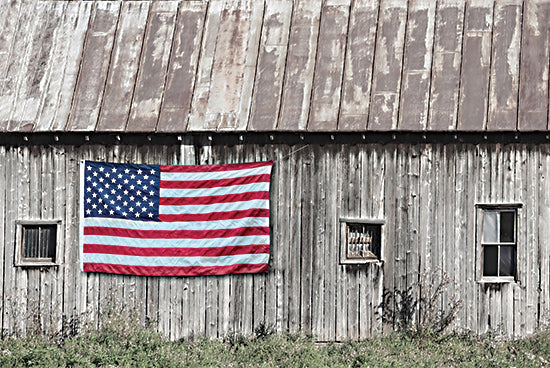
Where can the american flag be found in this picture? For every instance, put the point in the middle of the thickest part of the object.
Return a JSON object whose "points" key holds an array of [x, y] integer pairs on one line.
{"points": [[167, 220]]}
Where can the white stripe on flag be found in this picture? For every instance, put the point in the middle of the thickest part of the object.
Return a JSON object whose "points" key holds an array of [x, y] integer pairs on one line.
{"points": [[206, 192], [216, 207], [176, 261], [176, 243], [214, 175], [191, 225]]}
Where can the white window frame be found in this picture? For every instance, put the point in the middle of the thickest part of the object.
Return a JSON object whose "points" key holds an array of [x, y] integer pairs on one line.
{"points": [[21, 261], [481, 209], [344, 260]]}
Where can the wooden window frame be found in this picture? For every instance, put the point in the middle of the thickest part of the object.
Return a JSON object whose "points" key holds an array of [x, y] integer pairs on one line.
{"points": [[344, 260], [481, 208], [21, 261]]}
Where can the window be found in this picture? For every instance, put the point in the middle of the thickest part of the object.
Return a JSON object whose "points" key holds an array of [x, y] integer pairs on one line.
{"points": [[37, 243], [498, 240], [360, 241]]}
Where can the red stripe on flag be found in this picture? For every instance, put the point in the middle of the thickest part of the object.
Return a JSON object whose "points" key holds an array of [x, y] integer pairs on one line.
{"points": [[175, 234], [201, 184], [213, 216], [228, 198], [213, 168], [175, 271], [176, 252]]}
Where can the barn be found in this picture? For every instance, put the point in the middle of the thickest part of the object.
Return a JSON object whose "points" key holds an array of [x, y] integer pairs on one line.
{"points": [[407, 137]]}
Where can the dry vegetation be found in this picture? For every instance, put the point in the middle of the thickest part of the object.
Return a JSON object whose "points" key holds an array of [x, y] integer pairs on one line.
{"points": [[115, 345]]}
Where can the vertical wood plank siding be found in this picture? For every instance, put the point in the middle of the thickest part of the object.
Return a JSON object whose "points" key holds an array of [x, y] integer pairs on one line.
{"points": [[426, 193]]}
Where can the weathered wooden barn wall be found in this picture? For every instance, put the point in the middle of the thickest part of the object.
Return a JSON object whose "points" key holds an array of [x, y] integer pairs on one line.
{"points": [[425, 193]]}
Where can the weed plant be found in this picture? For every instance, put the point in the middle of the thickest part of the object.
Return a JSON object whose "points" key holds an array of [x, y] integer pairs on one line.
{"points": [[421, 308]]}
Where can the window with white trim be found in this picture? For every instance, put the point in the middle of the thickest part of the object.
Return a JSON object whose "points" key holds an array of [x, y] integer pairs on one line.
{"points": [[497, 236], [360, 241], [37, 243]]}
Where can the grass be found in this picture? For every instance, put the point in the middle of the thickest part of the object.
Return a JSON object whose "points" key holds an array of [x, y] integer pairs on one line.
{"points": [[117, 345]]}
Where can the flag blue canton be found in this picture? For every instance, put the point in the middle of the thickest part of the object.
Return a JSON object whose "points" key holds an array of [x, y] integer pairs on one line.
{"points": [[124, 191]]}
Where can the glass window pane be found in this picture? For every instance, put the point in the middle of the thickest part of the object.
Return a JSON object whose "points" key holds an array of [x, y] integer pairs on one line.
{"points": [[30, 248], [375, 234], [507, 219], [39, 241], [490, 260], [49, 235], [363, 241], [490, 227], [507, 260]]}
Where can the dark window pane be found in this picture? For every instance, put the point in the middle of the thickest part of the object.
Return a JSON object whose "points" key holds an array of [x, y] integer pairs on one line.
{"points": [[33, 246], [30, 238], [490, 260], [363, 241], [42, 244], [47, 242], [375, 232], [507, 260], [39, 241], [507, 226]]}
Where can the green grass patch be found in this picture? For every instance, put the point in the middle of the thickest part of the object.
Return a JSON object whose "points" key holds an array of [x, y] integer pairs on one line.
{"points": [[118, 345]]}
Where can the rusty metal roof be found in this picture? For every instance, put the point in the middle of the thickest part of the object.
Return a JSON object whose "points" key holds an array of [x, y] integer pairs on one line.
{"points": [[274, 65]]}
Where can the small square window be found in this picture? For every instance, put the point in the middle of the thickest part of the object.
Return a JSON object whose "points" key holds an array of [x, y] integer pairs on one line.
{"points": [[361, 241], [498, 242], [37, 243]]}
